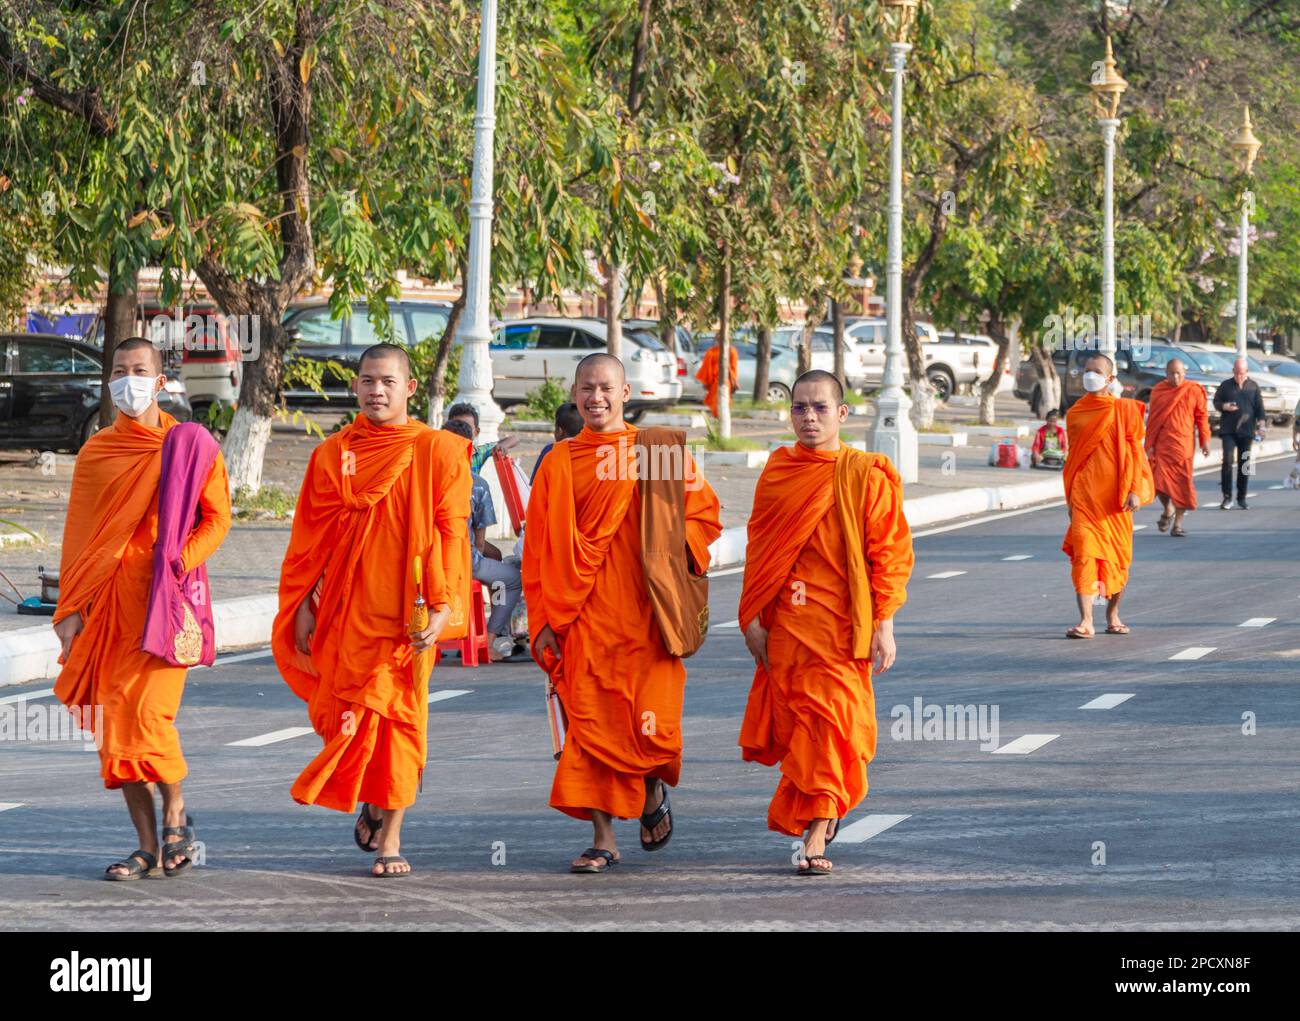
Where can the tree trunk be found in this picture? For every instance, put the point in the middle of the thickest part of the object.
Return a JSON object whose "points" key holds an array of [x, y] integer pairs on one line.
{"points": [[1178, 316], [119, 324], [724, 345], [437, 382], [923, 402], [762, 369], [989, 388], [1048, 381], [667, 323], [812, 320], [267, 299], [614, 310], [837, 328]]}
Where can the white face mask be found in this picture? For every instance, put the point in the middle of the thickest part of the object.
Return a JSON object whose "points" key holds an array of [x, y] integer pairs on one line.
{"points": [[133, 394], [1094, 382], [1116, 388]]}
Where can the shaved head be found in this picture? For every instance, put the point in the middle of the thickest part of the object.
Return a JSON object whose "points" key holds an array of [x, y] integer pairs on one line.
{"points": [[820, 376], [125, 347], [381, 351], [1175, 371], [1107, 366], [600, 358]]}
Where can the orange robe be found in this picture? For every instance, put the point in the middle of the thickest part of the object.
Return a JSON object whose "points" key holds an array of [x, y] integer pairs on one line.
{"points": [[1106, 463], [825, 525], [621, 690], [105, 575], [708, 375], [1176, 419], [374, 498]]}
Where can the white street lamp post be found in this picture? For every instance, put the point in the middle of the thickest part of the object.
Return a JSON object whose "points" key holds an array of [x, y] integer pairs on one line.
{"points": [[1247, 147], [475, 333], [1107, 86], [893, 433]]}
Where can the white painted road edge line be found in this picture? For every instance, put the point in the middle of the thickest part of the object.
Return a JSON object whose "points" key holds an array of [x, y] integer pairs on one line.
{"points": [[1026, 744], [1107, 701], [276, 735], [446, 693], [867, 827], [239, 657], [6, 805], [1257, 622], [728, 623], [945, 574], [1195, 652], [43, 693]]}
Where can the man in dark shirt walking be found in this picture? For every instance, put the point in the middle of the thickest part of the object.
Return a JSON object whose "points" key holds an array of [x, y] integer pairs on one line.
{"points": [[1242, 412]]}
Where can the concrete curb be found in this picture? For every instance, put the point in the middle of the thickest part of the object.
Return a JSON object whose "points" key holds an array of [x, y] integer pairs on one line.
{"points": [[31, 654]]}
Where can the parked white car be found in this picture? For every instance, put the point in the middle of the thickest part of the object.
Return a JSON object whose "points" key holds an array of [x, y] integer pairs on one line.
{"points": [[984, 351], [527, 352]]}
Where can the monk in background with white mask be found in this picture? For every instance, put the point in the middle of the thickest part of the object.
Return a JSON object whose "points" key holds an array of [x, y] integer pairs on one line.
{"points": [[1107, 478]]}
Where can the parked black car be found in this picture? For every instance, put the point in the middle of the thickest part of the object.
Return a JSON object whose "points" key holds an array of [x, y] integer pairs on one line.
{"points": [[49, 392], [318, 337]]}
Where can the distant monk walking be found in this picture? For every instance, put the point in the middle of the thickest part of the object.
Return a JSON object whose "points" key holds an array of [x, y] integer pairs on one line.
{"points": [[1176, 419]]}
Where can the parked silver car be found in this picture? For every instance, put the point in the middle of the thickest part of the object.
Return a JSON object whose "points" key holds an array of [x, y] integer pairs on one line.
{"points": [[527, 352], [782, 368]]}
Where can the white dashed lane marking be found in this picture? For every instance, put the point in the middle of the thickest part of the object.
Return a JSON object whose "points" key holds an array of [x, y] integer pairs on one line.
{"points": [[1020, 556], [1106, 701], [945, 574], [1195, 652], [1026, 744], [446, 693], [288, 733], [1257, 622], [867, 827], [6, 805]]}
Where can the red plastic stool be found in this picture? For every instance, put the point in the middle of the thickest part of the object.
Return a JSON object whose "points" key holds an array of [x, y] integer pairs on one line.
{"points": [[477, 638]]}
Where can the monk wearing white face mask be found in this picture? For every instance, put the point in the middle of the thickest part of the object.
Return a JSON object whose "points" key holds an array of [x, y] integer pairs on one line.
{"points": [[134, 610], [1107, 477]]}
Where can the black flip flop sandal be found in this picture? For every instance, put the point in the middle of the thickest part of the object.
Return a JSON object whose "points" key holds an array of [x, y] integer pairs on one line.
{"points": [[810, 871], [591, 854], [1163, 523], [375, 826], [184, 846], [138, 864], [1178, 532], [832, 834], [652, 819], [394, 859]]}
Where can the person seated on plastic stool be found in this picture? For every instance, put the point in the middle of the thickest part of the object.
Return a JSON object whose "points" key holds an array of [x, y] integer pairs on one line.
{"points": [[1050, 444], [500, 576]]}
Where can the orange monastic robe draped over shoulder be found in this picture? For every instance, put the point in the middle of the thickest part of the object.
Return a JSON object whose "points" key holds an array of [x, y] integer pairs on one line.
{"points": [[1176, 420], [374, 498], [105, 575], [1106, 463], [829, 554], [621, 690], [708, 375]]}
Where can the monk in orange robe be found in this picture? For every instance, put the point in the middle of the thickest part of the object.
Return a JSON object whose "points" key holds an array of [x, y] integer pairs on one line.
{"points": [[708, 374], [377, 494], [127, 696], [593, 627], [1107, 477], [1176, 419], [827, 523]]}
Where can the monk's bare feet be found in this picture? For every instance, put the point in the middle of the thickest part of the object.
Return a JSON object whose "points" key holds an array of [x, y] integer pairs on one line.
{"points": [[173, 816], [655, 792], [602, 840], [814, 846], [390, 848], [367, 836]]}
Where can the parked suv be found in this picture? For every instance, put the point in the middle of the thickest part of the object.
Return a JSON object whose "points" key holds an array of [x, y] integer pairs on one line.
{"points": [[49, 392], [320, 338], [527, 352]]}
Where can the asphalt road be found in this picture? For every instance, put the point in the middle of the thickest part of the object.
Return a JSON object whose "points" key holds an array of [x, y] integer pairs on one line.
{"points": [[1199, 821]]}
